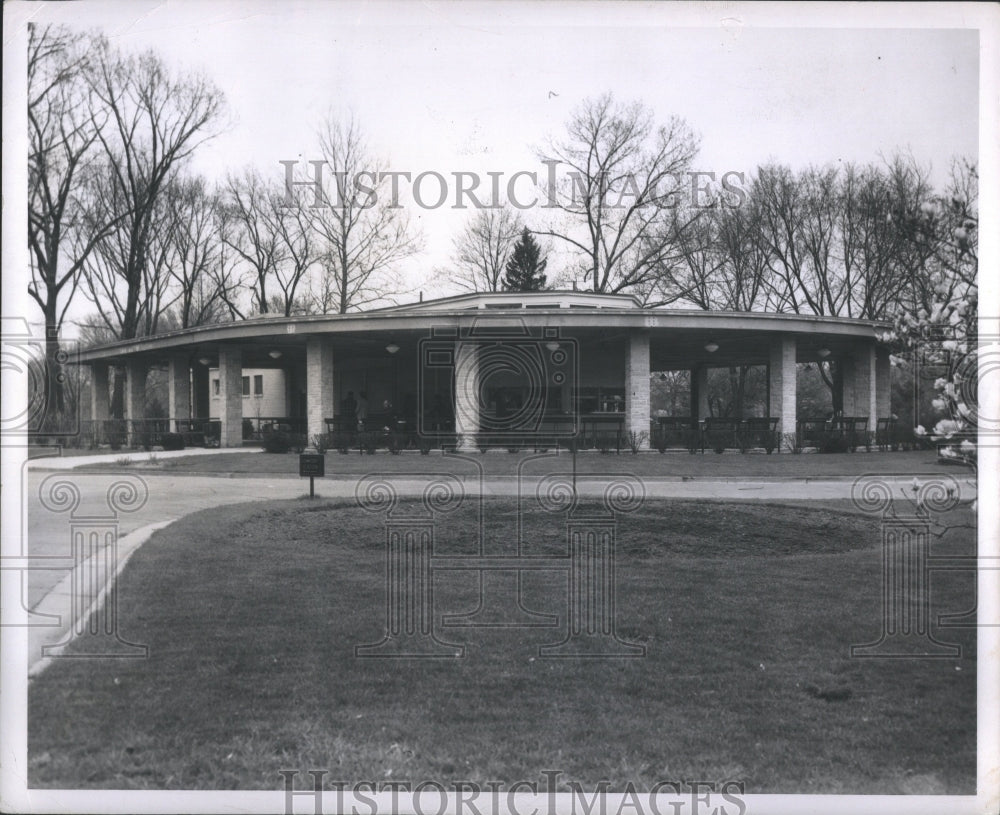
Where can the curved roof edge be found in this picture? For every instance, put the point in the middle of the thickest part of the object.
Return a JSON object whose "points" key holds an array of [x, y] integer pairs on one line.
{"points": [[580, 312]]}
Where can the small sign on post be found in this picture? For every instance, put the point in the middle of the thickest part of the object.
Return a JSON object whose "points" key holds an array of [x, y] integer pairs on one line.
{"points": [[312, 464]]}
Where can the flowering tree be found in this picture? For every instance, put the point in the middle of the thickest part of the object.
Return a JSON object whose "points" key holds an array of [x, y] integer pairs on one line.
{"points": [[939, 322]]}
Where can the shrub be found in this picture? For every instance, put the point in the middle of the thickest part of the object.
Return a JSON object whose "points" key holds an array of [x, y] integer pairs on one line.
{"points": [[172, 441], [636, 439], [833, 443], [772, 442], [247, 429], [277, 442], [660, 441]]}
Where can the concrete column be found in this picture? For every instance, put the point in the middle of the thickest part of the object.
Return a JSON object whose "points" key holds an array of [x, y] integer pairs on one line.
{"points": [[467, 394], [135, 396], [781, 383], [699, 393], [179, 389], [231, 397], [859, 377], [870, 363], [135, 390], [100, 407], [637, 386], [319, 385], [883, 383]]}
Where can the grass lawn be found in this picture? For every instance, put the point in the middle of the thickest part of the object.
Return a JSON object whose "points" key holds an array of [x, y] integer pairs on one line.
{"points": [[747, 612], [502, 463]]}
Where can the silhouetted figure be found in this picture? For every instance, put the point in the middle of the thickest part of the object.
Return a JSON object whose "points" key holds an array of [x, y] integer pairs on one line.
{"points": [[349, 407]]}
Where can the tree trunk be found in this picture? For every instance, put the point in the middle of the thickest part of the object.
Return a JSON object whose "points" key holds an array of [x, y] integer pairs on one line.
{"points": [[55, 397]]}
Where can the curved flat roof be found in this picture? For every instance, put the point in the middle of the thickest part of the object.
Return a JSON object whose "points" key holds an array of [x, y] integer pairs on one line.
{"points": [[576, 313]]}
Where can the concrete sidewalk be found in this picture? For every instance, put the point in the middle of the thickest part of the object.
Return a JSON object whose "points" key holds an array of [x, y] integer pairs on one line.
{"points": [[60, 462]]}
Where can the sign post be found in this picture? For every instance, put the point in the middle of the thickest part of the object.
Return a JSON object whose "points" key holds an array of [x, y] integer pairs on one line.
{"points": [[312, 464]]}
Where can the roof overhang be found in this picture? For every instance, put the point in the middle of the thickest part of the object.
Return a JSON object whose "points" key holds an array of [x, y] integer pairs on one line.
{"points": [[682, 326]]}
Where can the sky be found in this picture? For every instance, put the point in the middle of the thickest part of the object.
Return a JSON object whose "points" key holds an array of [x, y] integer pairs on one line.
{"points": [[482, 87]]}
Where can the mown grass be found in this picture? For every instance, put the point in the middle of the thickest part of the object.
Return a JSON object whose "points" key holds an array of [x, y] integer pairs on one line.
{"points": [[747, 612]]}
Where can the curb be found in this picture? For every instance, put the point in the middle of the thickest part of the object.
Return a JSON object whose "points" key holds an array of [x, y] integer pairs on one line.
{"points": [[58, 602]]}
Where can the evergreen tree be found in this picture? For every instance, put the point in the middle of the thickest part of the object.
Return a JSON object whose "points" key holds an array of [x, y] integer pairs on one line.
{"points": [[526, 268]]}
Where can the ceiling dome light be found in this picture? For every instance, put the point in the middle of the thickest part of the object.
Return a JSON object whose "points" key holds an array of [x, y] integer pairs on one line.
{"points": [[711, 347]]}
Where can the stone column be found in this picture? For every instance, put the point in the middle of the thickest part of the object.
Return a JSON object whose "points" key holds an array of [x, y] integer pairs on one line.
{"points": [[231, 397], [100, 409], [637, 386], [467, 394], [883, 383], [859, 377], [179, 388], [319, 385], [781, 384], [135, 397]]}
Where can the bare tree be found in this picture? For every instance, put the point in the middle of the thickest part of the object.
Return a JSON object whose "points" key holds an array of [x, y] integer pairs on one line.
{"points": [[363, 234], [252, 231], [298, 253], [483, 249], [624, 171], [62, 134], [689, 264], [200, 270], [154, 122]]}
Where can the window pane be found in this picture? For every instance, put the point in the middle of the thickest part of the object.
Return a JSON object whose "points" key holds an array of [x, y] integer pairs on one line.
{"points": [[246, 386], [215, 386], [258, 385]]}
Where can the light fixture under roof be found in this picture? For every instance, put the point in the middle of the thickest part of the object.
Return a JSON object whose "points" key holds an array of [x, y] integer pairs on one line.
{"points": [[275, 354], [392, 348], [552, 346], [711, 347], [205, 361], [823, 353]]}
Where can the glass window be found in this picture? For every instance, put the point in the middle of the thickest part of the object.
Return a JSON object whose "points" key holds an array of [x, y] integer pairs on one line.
{"points": [[215, 386], [258, 385], [246, 386]]}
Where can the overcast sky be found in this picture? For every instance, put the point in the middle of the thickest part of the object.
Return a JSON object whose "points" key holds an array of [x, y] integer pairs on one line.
{"points": [[448, 87]]}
